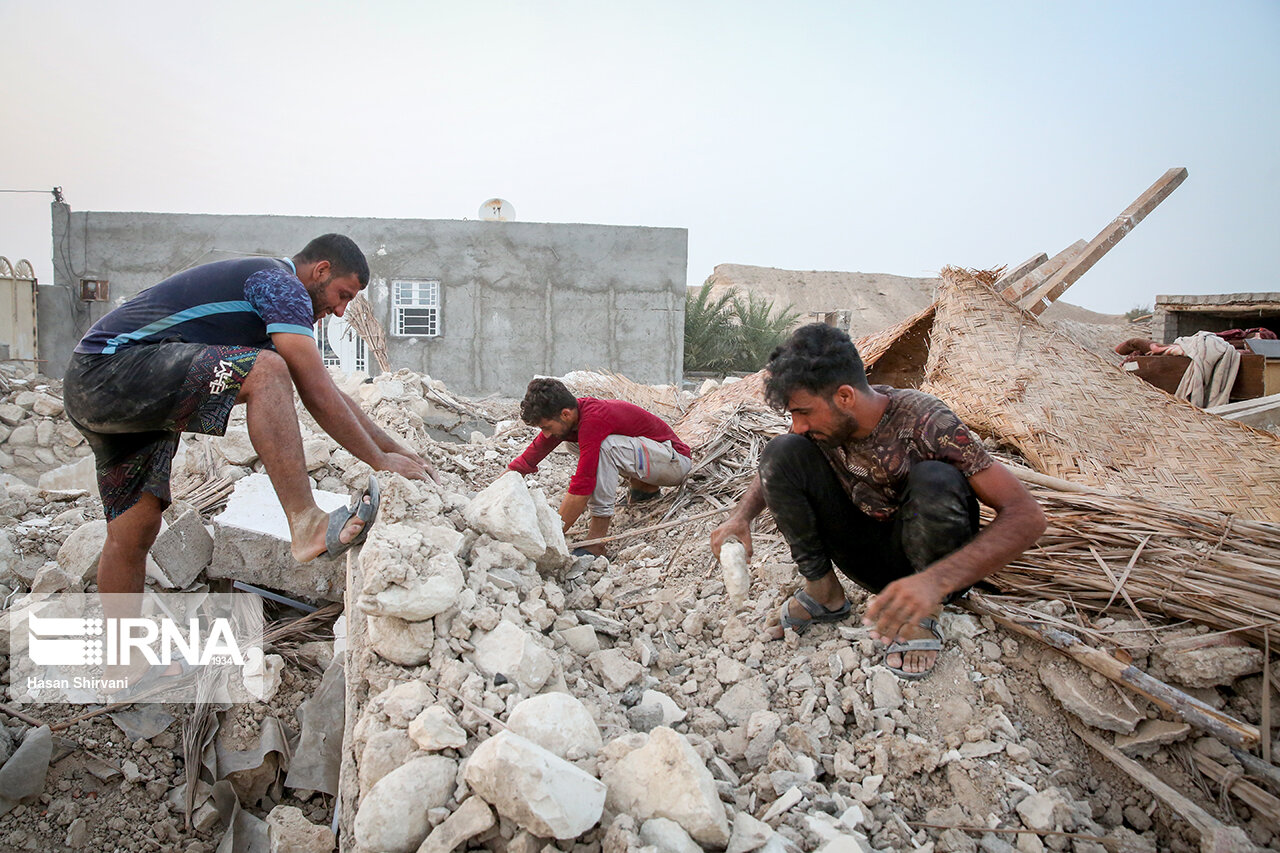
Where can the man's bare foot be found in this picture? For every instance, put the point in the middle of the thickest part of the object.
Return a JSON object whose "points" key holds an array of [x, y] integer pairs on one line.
{"points": [[309, 533], [913, 661]]}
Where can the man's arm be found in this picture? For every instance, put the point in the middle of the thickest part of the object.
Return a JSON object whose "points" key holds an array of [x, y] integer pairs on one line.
{"points": [[330, 408], [1018, 524], [571, 507], [738, 524]]}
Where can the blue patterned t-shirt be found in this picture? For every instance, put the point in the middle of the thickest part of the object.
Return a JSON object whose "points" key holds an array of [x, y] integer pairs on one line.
{"points": [[239, 302]]}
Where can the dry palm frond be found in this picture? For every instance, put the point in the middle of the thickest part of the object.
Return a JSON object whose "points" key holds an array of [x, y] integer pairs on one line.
{"points": [[359, 316], [206, 497], [661, 400], [1103, 552]]}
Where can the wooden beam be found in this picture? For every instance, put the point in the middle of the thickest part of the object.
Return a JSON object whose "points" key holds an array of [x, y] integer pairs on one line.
{"points": [[1040, 274], [1011, 276], [1253, 796], [1187, 708], [1214, 835], [1044, 295]]}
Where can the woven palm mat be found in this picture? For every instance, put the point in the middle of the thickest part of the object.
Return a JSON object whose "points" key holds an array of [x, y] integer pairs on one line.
{"points": [[1072, 415]]}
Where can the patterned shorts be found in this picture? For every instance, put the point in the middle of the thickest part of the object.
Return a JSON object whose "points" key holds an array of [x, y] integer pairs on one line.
{"points": [[133, 404]]}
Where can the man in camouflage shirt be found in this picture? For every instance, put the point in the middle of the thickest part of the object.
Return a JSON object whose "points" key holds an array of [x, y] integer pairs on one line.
{"points": [[884, 483]]}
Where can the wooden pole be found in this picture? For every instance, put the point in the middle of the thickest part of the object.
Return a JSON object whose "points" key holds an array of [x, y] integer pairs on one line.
{"points": [[1214, 835], [1188, 708], [626, 534], [1015, 290], [1043, 296]]}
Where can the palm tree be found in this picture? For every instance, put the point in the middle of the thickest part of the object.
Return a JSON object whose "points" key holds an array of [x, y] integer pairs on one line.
{"points": [[708, 333], [758, 329]]}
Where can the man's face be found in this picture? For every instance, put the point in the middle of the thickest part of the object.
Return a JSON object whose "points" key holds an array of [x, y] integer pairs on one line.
{"points": [[560, 426], [827, 420], [331, 294]]}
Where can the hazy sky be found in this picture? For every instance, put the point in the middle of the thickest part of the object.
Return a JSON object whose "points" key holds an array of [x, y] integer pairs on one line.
{"points": [[891, 137]]}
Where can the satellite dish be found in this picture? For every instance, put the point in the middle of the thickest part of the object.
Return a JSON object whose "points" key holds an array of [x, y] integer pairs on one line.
{"points": [[497, 210]]}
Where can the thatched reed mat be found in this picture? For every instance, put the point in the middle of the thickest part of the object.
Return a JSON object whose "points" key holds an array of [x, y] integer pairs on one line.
{"points": [[1074, 416], [1103, 552]]}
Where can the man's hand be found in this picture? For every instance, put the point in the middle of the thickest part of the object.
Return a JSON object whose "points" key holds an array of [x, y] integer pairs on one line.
{"points": [[571, 507], [902, 604], [408, 465], [732, 526]]}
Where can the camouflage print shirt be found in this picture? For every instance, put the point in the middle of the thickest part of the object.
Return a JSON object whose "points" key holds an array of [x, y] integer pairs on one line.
{"points": [[915, 427]]}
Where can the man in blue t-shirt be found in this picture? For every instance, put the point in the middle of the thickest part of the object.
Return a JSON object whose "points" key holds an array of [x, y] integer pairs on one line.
{"points": [[178, 356]]}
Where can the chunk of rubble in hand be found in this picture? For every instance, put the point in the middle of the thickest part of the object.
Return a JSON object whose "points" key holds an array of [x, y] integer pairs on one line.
{"points": [[529, 785], [666, 778], [559, 723]]}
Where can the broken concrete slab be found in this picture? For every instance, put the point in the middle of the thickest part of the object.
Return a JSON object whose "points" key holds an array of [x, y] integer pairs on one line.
{"points": [[252, 544], [1098, 707], [182, 550], [82, 474], [1150, 736]]}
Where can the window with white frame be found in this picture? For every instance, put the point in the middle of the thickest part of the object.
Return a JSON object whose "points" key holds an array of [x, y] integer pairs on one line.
{"points": [[416, 308]]}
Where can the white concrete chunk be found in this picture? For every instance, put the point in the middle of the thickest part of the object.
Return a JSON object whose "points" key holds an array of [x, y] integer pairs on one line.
{"points": [[405, 643], [558, 723], [251, 544], [436, 729], [506, 511], [544, 794], [510, 651], [666, 778], [392, 817]]}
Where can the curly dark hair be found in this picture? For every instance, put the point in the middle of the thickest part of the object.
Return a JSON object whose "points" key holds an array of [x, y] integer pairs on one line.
{"points": [[816, 358], [342, 253], [544, 399]]}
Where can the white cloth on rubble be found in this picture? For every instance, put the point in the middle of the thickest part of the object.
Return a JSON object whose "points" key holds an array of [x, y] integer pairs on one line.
{"points": [[1212, 372]]}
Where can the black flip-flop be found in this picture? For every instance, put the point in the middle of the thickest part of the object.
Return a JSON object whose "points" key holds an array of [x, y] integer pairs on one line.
{"points": [[365, 511], [638, 497], [817, 612]]}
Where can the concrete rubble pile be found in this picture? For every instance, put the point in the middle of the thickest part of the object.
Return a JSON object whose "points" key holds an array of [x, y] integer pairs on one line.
{"points": [[503, 695]]}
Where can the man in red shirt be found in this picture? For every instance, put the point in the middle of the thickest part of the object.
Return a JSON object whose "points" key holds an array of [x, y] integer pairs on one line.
{"points": [[614, 438]]}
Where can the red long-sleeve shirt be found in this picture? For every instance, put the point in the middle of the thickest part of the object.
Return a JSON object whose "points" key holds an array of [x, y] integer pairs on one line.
{"points": [[597, 420]]}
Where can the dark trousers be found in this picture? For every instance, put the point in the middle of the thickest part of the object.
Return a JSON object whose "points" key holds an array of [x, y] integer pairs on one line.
{"points": [[938, 514]]}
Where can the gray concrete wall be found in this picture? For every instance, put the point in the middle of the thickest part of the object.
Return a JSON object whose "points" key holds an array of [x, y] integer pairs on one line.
{"points": [[516, 298]]}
